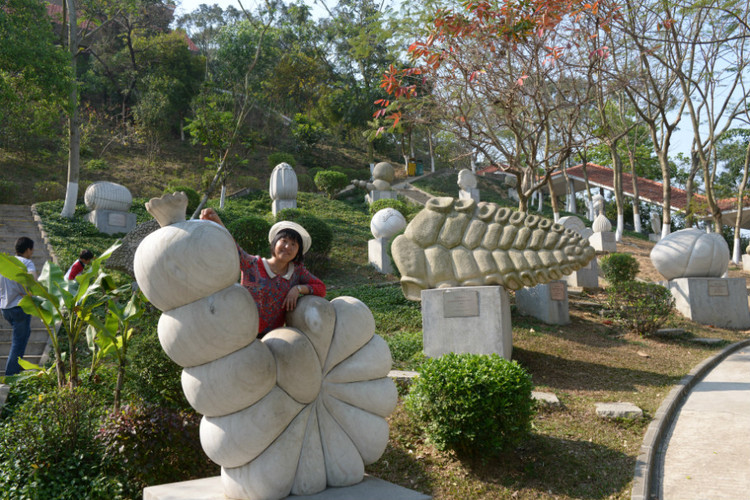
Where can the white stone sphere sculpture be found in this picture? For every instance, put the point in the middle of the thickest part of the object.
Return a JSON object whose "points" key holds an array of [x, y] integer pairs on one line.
{"points": [[466, 179], [387, 223], [104, 195], [283, 183], [299, 410], [384, 171], [691, 253]]}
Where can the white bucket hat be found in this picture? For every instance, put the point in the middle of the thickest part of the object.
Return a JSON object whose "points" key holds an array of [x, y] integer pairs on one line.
{"points": [[286, 224]]}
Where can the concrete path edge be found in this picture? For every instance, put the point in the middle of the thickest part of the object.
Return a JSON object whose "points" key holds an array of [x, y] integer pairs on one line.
{"points": [[646, 464]]}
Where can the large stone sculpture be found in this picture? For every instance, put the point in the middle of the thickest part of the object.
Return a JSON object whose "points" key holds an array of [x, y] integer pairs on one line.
{"points": [[301, 409], [380, 188], [461, 243], [282, 187], [691, 253], [108, 205], [467, 184], [385, 224]]}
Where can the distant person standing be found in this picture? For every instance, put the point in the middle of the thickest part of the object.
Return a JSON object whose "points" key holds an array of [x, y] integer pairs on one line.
{"points": [[84, 259], [11, 294]]}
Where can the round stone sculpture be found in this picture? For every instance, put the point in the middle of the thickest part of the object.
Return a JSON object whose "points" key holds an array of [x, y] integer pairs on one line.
{"points": [[601, 224], [299, 410], [466, 179], [576, 224], [387, 223], [691, 253], [283, 183], [384, 171], [104, 195], [463, 243]]}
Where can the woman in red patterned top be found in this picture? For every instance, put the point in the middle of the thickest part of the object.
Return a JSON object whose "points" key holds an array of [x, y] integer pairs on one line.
{"points": [[278, 282]]}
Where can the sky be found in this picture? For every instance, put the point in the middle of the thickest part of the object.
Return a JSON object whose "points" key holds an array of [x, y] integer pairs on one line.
{"points": [[185, 6]]}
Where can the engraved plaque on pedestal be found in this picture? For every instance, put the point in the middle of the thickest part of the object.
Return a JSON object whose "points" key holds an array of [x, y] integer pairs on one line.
{"points": [[116, 219], [460, 304], [557, 290], [718, 288]]}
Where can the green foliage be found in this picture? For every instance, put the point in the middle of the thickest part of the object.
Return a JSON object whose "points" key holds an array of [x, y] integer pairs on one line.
{"points": [[305, 183], [640, 307], [48, 190], [49, 450], [406, 348], [316, 259], [8, 190], [312, 172], [330, 182], [147, 445], [307, 131], [473, 404], [97, 165], [280, 157], [193, 197], [619, 267], [389, 203], [251, 234]]}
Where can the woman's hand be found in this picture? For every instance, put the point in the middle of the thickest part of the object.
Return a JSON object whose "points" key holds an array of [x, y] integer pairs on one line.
{"points": [[290, 302], [210, 214]]}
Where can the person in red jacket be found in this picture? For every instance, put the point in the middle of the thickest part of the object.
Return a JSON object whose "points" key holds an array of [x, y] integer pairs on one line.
{"points": [[278, 282], [84, 259]]}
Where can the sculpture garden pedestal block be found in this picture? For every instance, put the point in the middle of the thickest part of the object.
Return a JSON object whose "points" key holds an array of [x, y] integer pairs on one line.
{"points": [[720, 302], [603, 241], [745, 262], [586, 277], [469, 194], [378, 255], [547, 302], [654, 237], [279, 205], [375, 195], [112, 221], [469, 319], [210, 488]]}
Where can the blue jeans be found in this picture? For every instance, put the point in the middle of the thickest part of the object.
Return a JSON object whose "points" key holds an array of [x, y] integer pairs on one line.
{"points": [[21, 323]]}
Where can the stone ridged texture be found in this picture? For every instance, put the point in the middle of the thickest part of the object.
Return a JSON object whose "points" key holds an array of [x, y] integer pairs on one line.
{"points": [[461, 243], [299, 410], [105, 195], [691, 253]]}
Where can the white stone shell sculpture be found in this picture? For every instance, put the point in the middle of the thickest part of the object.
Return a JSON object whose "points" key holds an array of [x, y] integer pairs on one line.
{"points": [[576, 224], [466, 179], [387, 223], [302, 409], [691, 253], [283, 183], [601, 224], [106, 195]]}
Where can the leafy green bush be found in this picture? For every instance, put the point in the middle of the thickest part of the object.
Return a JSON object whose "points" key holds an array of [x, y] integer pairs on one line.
{"points": [[473, 404], [331, 182], [97, 165], [312, 172], [640, 307], [279, 157], [251, 233], [316, 259], [307, 131], [49, 450], [150, 445], [406, 347], [619, 267], [48, 190], [246, 181], [8, 191], [305, 183], [389, 203], [193, 197]]}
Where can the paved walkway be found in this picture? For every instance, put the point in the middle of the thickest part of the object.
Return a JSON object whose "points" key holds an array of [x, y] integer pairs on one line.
{"points": [[706, 452]]}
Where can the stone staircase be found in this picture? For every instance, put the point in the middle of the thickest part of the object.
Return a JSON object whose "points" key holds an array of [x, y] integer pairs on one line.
{"points": [[16, 221]]}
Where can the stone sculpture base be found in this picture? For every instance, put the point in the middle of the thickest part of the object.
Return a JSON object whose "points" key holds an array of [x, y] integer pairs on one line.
{"points": [[586, 277], [469, 194], [378, 255], [468, 319], [375, 195], [279, 205], [745, 262], [603, 242], [654, 237], [211, 488], [547, 302], [112, 221], [720, 302]]}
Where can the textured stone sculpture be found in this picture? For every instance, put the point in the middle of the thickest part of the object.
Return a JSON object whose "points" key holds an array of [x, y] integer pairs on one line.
{"points": [[109, 203], [461, 243], [467, 183], [282, 187], [576, 224], [691, 253], [380, 188], [301, 409], [386, 223]]}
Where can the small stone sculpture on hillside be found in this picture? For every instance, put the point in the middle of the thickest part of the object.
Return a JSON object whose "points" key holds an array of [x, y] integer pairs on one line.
{"points": [[109, 205], [467, 183], [461, 243], [380, 188], [282, 187], [298, 410], [691, 253]]}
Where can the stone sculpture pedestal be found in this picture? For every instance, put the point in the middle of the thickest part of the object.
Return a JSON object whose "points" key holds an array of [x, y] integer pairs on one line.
{"points": [[745, 262], [376, 195], [468, 319], [210, 488], [720, 302], [112, 221], [378, 255], [603, 241], [469, 194], [586, 277], [548, 302], [279, 205], [654, 237]]}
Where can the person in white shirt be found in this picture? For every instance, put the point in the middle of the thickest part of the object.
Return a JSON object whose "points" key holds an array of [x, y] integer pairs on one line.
{"points": [[11, 294]]}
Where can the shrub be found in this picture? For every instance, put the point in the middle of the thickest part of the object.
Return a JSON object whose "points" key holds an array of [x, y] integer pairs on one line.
{"points": [[316, 259], [246, 181], [405, 347], [307, 131], [331, 182], [48, 190], [473, 404], [8, 191], [619, 267], [153, 445], [279, 157], [640, 307], [389, 203], [97, 165], [251, 233], [193, 197], [312, 172], [49, 450], [305, 183]]}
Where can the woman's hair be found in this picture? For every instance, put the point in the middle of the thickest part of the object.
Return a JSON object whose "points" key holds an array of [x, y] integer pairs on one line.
{"points": [[23, 243], [290, 233]]}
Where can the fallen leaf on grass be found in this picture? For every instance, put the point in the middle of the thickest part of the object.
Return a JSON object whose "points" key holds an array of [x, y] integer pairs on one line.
{"points": [[643, 354]]}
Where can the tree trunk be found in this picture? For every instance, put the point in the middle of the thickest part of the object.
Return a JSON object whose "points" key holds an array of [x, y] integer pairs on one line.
{"points": [[617, 182], [553, 200], [74, 135], [432, 150], [737, 251], [636, 195]]}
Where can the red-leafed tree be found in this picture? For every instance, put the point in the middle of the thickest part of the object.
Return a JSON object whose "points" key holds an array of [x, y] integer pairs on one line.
{"points": [[510, 79]]}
